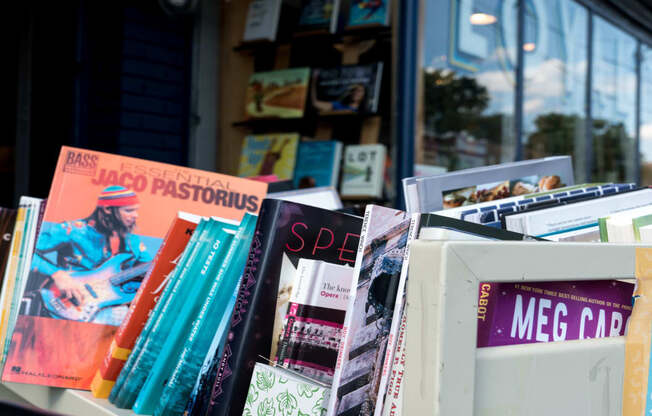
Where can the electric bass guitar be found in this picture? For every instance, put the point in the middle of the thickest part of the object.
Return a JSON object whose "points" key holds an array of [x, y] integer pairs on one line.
{"points": [[105, 286]]}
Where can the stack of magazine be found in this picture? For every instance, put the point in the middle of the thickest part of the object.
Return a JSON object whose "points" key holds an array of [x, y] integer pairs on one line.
{"points": [[189, 293]]}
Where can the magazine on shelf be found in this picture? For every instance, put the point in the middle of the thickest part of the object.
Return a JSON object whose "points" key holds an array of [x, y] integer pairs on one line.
{"points": [[110, 213]]}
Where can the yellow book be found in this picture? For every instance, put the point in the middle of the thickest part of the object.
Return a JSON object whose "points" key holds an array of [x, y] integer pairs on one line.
{"points": [[269, 154]]}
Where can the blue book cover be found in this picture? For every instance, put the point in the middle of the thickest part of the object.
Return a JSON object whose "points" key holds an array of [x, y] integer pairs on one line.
{"points": [[318, 164], [316, 13], [216, 306], [173, 343], [368, 12]]}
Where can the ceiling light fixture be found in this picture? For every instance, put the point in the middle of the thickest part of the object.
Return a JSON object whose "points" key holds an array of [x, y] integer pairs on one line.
{"points": [[482, 19]]}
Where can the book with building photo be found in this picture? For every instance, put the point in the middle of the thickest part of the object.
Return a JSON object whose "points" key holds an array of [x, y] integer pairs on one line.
{"points": [[363, 171], [105, 220], [277, 94], [347, 89], [269, 154]]}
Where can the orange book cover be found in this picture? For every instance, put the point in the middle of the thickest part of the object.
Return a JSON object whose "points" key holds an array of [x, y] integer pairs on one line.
{"points": [[105, 219], [150, 289]]}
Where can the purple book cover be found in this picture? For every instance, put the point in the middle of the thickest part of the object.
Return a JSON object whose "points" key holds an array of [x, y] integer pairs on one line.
{"points": [[517, 313]]}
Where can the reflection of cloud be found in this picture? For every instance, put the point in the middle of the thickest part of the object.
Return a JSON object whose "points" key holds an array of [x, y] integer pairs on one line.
{"points": [[646, 141], [533, 105], [545, 79], [646, 131], [494, 81]]}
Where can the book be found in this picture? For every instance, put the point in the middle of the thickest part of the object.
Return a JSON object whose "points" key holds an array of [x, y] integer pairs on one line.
{"points": [[274, 388], [619, 227], [7, 221], [322, 197], [110, 213], [363, 171], [218, 304], [318, 164], [262, 20], [368, 13], [347, 89], [316, 15], [167, 257], [427, 194], [370, 311], [269, 154], [283, 229], [277, 94], [312, 327], [178, 308], [642, 229], [522, 313]]}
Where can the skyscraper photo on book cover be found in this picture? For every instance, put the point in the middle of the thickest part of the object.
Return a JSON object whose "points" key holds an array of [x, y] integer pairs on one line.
{"points": [[105, 221]]}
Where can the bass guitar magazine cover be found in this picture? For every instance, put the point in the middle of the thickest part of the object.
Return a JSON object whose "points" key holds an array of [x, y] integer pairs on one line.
{"points": [[105, 220]]}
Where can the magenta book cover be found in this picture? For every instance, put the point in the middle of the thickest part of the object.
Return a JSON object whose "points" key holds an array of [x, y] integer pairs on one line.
{"points": [[518, 313]]}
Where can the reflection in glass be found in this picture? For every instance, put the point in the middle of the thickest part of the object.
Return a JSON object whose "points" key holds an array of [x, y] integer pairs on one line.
{"points": [[555, 56], [613, 103], [645, 131], [468, 83]]}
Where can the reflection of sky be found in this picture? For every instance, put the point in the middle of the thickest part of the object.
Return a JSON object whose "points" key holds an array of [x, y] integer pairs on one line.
{"points": [[646, 104]]}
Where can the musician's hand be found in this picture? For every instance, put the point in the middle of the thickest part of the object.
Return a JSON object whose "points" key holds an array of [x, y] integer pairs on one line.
{"points": [[68, 286]]}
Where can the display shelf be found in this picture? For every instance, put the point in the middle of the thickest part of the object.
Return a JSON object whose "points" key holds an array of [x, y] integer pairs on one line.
{"points": [[65, 401]]}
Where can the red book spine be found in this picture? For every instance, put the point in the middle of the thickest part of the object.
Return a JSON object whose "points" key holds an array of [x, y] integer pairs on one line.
{"points": [[150, 289]]}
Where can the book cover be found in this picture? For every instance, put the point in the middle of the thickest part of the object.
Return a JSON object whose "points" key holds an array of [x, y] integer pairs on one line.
{"points": [[262, 20], [207, 324], [172, 318], [523, 313], [106, 214], [347, 89], [284, 228], [277, 94], [269, 154], [370, 311], [7, 221], [363, 171], [316, 14], [312, 327], [318, 164], [368, 13], [147, 295]]}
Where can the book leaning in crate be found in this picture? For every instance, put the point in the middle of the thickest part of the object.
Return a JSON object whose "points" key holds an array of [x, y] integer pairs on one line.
{"points": [[168, 311]]}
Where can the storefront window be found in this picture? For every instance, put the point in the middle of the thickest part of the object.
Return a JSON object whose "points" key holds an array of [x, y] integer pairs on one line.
{"points": [[555, 57], [613, 103], [645, 131], [468, 84]]}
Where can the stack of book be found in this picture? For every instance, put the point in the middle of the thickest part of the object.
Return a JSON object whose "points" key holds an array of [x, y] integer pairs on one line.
{"points": [[186, 292]]}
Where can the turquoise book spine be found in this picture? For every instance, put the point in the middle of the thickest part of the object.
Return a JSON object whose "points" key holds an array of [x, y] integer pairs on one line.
{"points": [[218, 304], [178, 331], [171, 308], [192, 245]]}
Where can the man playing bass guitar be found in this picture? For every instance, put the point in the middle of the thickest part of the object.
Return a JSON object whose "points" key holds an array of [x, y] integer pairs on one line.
{"points": [[71, 251]]}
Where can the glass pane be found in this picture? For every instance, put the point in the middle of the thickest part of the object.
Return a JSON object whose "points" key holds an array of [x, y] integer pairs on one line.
{"points": [[646, 115], [555, 55], [613, 101], [468, 83]]}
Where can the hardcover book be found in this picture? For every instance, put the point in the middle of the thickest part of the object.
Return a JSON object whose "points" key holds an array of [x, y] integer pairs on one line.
{"points": [[105, 219], [285, 230], [312, 327], [370, 311], [148, 293], [269, 154], [277, 94], [347, 89], [318, 164], [523, 313], [364, 171], [368, 13]]}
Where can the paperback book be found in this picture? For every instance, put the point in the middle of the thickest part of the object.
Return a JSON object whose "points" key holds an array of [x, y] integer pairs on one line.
{"points": [[318, 164], [316, 15], [277, 94], [286, 231], [269, 154], [262, 20], [369, 13], [105, 220], [364, 171], [347, 89]]}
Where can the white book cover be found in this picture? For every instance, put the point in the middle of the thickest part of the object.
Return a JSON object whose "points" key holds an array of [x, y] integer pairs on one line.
{"points": [[322, 197], [566, 217], [262, 20], [364, 171]]}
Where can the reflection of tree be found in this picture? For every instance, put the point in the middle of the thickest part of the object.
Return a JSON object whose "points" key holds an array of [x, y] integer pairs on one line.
{"points": [[556, 133]]}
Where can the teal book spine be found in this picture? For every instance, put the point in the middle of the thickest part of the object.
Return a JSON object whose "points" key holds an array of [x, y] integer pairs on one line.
{"points": [[218, 304], [172, 344], [171, 308], [200, 232]]}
